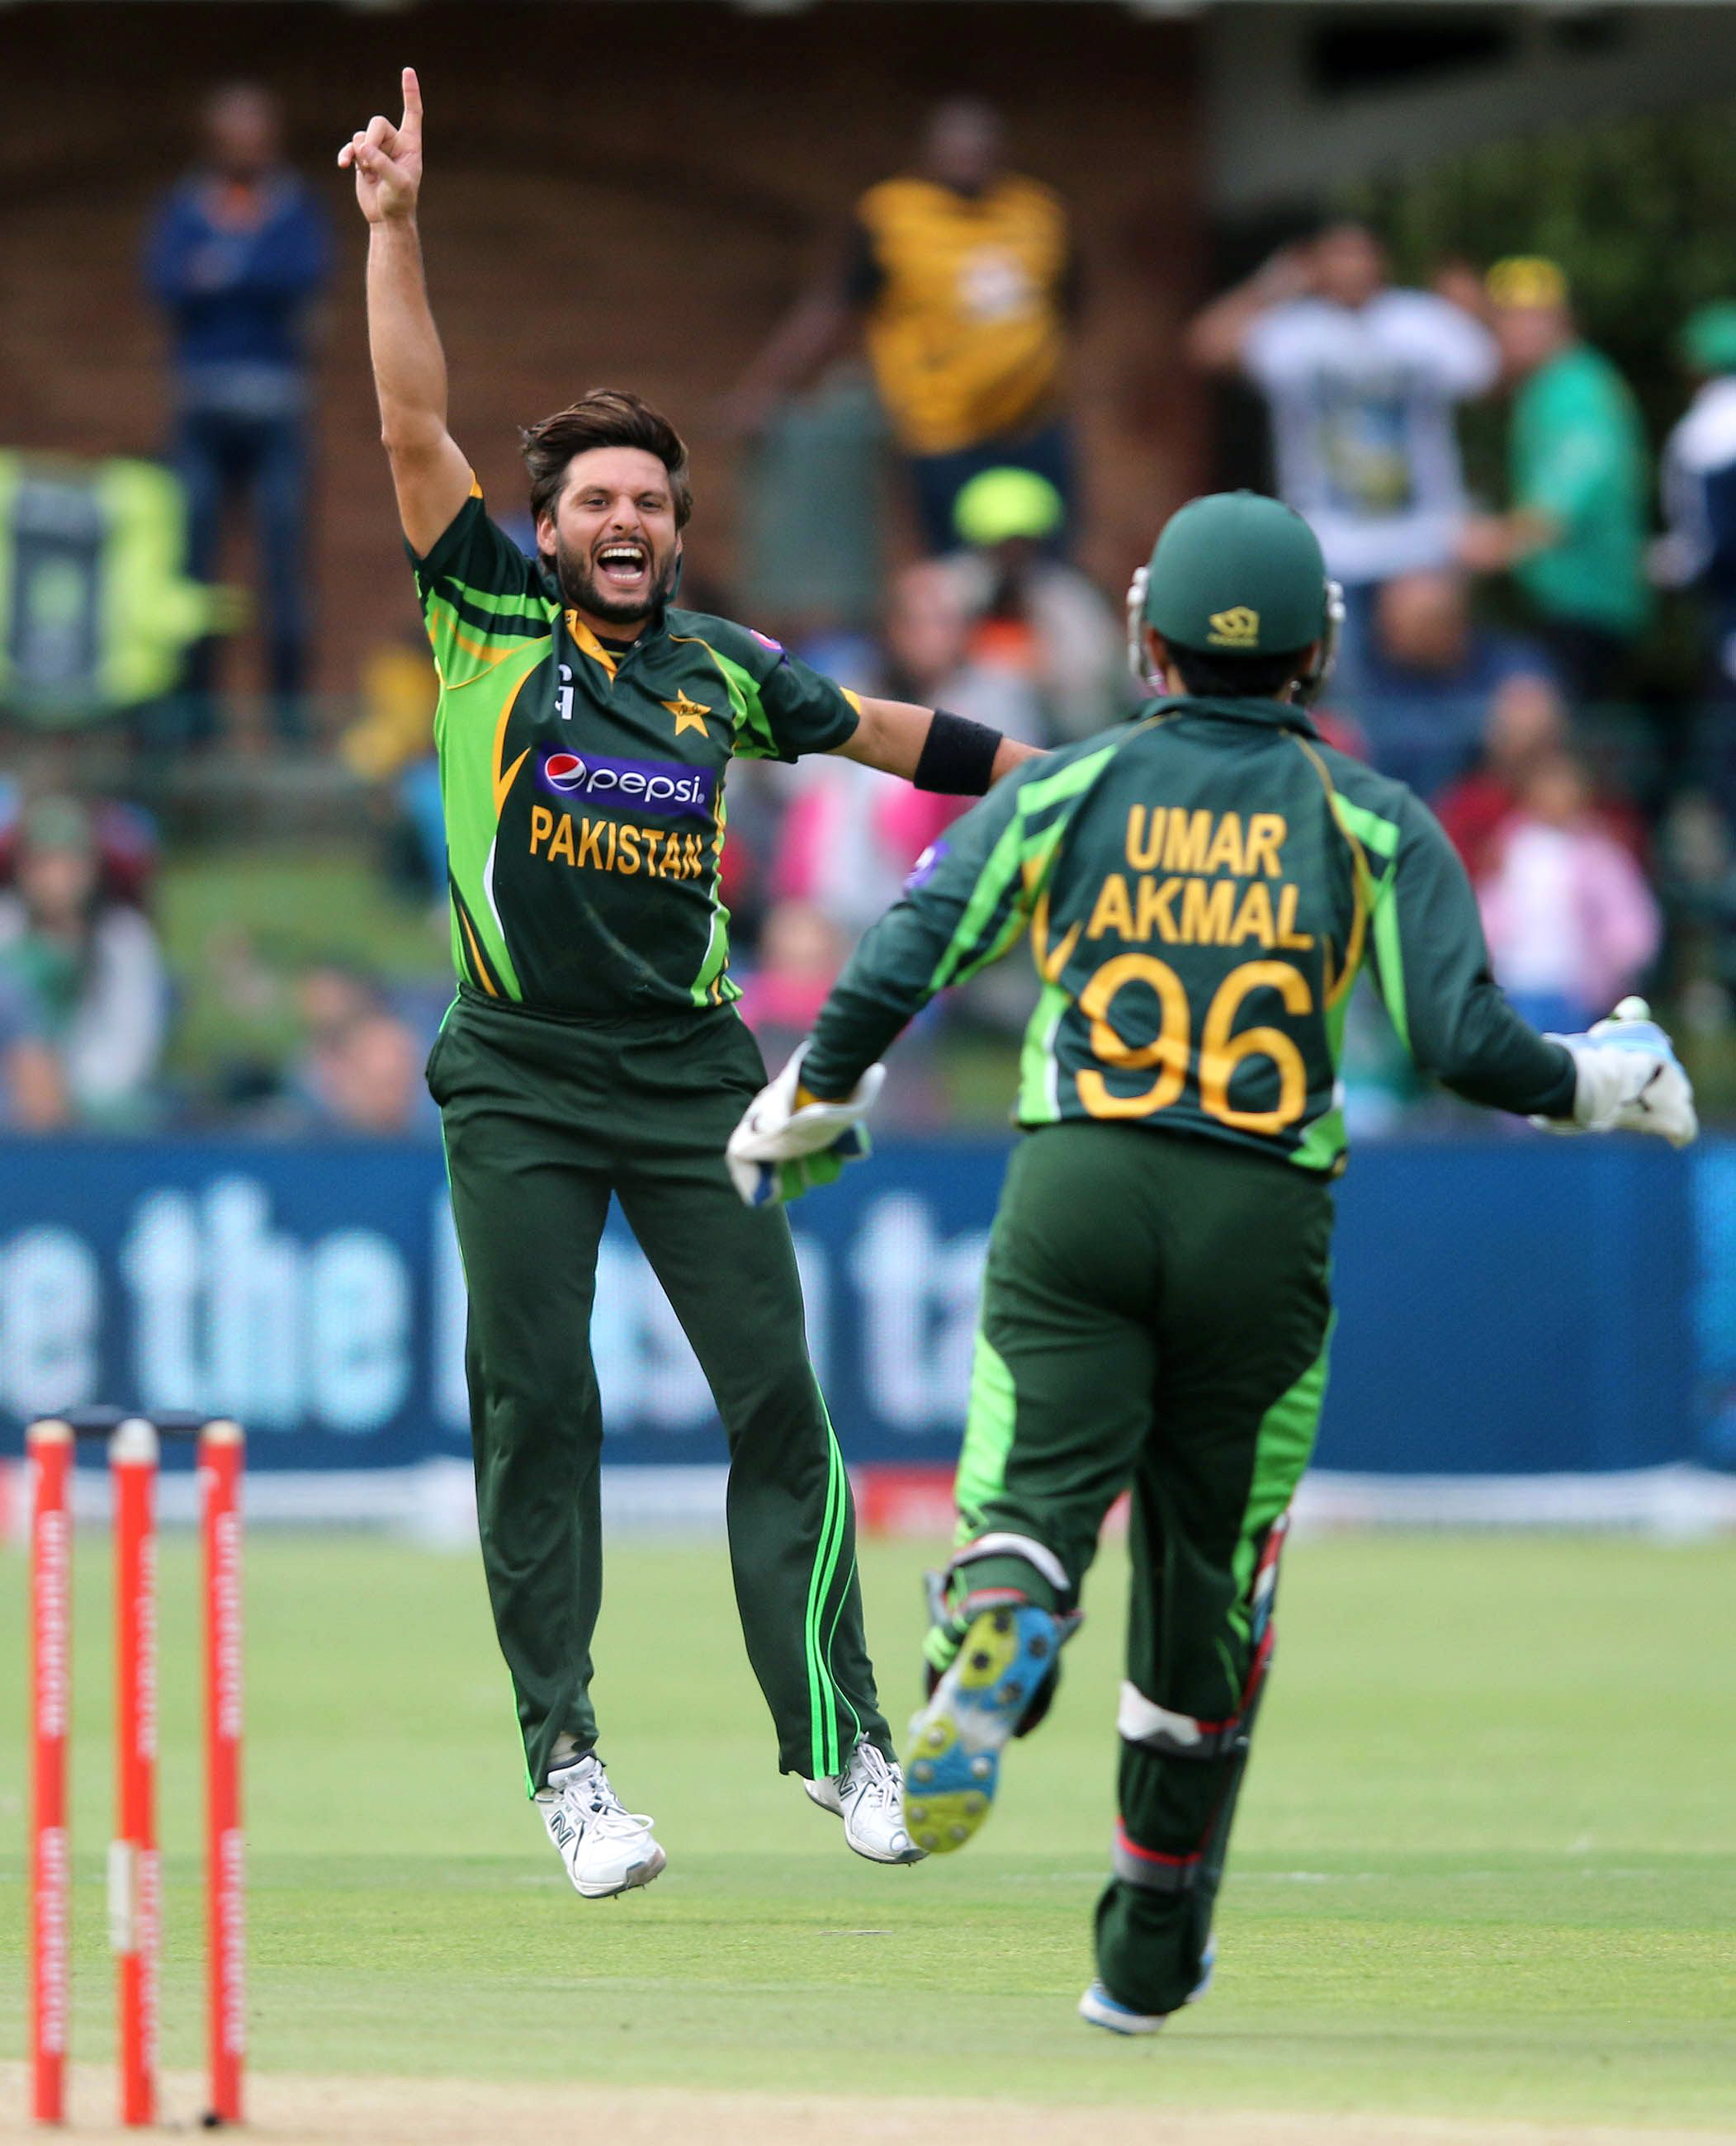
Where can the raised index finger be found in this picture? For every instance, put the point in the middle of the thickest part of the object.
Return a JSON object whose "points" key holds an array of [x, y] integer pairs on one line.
{"points": [[412, 119]]}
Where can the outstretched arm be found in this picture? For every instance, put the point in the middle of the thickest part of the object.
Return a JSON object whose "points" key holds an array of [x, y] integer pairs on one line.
{"points": [[894, 735], [429, 472], [967, 900]]}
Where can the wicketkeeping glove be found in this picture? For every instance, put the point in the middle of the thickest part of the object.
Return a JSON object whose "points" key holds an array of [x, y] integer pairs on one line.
{"points": [[783, 1148], [1630, 1079]]}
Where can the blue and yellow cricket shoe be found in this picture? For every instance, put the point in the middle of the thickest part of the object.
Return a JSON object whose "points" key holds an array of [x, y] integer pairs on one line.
{"points": [[953, 1759]]}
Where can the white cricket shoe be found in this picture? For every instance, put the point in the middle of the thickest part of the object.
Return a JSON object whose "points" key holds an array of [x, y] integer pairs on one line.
{"points": [[869, 1796], [605, 1848]]}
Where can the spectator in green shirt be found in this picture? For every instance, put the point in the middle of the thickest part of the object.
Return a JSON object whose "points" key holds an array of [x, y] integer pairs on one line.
{"points": [[1574, 536]]}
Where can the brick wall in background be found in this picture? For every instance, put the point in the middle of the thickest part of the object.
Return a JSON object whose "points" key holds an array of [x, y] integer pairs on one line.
{"points": [[616, 192]]}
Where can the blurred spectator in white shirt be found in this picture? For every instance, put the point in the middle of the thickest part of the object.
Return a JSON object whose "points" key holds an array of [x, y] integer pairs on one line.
{"points": [[1698, 474], [1698, 550], [88, 967], [1572, 923], [1361, 381]]}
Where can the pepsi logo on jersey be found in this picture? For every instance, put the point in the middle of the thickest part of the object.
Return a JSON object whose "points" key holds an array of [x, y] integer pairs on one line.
{"points": [[648, 786]]}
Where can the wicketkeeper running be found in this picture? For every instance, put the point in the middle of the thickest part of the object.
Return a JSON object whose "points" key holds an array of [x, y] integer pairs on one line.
{"points": [[585, 727], [1201, 886]]}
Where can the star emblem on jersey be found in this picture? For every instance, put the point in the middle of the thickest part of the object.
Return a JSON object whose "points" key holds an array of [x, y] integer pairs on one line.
{"points": [[688, 715]]}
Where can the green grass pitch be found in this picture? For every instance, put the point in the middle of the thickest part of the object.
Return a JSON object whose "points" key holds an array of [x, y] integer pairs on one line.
{"points": [[1485, 1864]]}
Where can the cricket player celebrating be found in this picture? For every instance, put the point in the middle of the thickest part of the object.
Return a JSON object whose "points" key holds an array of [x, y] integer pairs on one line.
{"points": [[585, 727], [1200, 887]]}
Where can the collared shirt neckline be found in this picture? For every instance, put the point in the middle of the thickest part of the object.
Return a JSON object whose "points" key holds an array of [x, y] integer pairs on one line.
{"points": [[591, 643], [1276, 715]]}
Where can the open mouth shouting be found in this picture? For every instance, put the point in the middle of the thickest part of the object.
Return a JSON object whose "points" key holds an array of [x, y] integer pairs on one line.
{"points": [[619, 579], [624, 566]]}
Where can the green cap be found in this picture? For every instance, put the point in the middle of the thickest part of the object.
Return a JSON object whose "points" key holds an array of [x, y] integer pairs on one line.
{"points": [[1001, 503], [1709, 337], [1237, 574]]}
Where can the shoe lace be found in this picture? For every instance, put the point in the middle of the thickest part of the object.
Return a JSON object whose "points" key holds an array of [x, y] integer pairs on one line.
{"points": [[878, 1779], [592, 1801]]}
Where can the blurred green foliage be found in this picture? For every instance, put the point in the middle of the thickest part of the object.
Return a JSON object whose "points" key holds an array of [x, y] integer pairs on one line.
{"points": [[240, 927], [1641, 214], [1637, 212]]}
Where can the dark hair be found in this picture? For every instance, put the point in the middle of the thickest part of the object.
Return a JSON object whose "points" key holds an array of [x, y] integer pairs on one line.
{"points": [[606, 417], [1234, 677]]}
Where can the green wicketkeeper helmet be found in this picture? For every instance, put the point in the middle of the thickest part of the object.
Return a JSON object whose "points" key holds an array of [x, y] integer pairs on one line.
{"points": [[1237, 574]]}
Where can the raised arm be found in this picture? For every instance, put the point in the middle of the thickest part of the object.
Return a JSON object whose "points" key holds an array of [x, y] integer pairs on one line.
{"points": [[1215, 336], [966, 903], [429, 472]]}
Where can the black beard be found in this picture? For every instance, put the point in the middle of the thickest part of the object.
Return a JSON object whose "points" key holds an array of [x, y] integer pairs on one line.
{"points": [[583, 590]]}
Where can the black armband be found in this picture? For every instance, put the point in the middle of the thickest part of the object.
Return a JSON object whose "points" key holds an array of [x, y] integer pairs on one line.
{"points": [[957, 757]]}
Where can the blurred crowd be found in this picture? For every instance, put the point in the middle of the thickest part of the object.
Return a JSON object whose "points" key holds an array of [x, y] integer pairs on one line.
{"points": [[1488, 656]]}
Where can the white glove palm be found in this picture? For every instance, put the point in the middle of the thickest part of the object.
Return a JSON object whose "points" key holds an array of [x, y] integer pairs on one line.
{"points": [[1630, 1079], [775, 1132]]}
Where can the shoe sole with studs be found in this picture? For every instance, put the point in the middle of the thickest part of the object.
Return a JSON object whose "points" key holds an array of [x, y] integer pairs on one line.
{"points": [[952, 1764]]}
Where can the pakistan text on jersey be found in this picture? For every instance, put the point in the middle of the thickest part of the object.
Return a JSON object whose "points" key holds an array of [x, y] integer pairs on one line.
{"points": [[612, 846]]}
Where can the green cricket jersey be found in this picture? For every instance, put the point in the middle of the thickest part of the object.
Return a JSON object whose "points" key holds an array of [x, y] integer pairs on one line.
{"points": [[584, 785], [1201, 886]]}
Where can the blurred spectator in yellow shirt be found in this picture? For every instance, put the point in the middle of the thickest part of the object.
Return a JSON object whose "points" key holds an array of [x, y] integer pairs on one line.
{"points": [[962, 278]]}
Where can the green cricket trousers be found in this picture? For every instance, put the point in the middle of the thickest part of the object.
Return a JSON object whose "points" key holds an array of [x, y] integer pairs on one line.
{"points": [[1156, 1312], [544, 1118]]}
